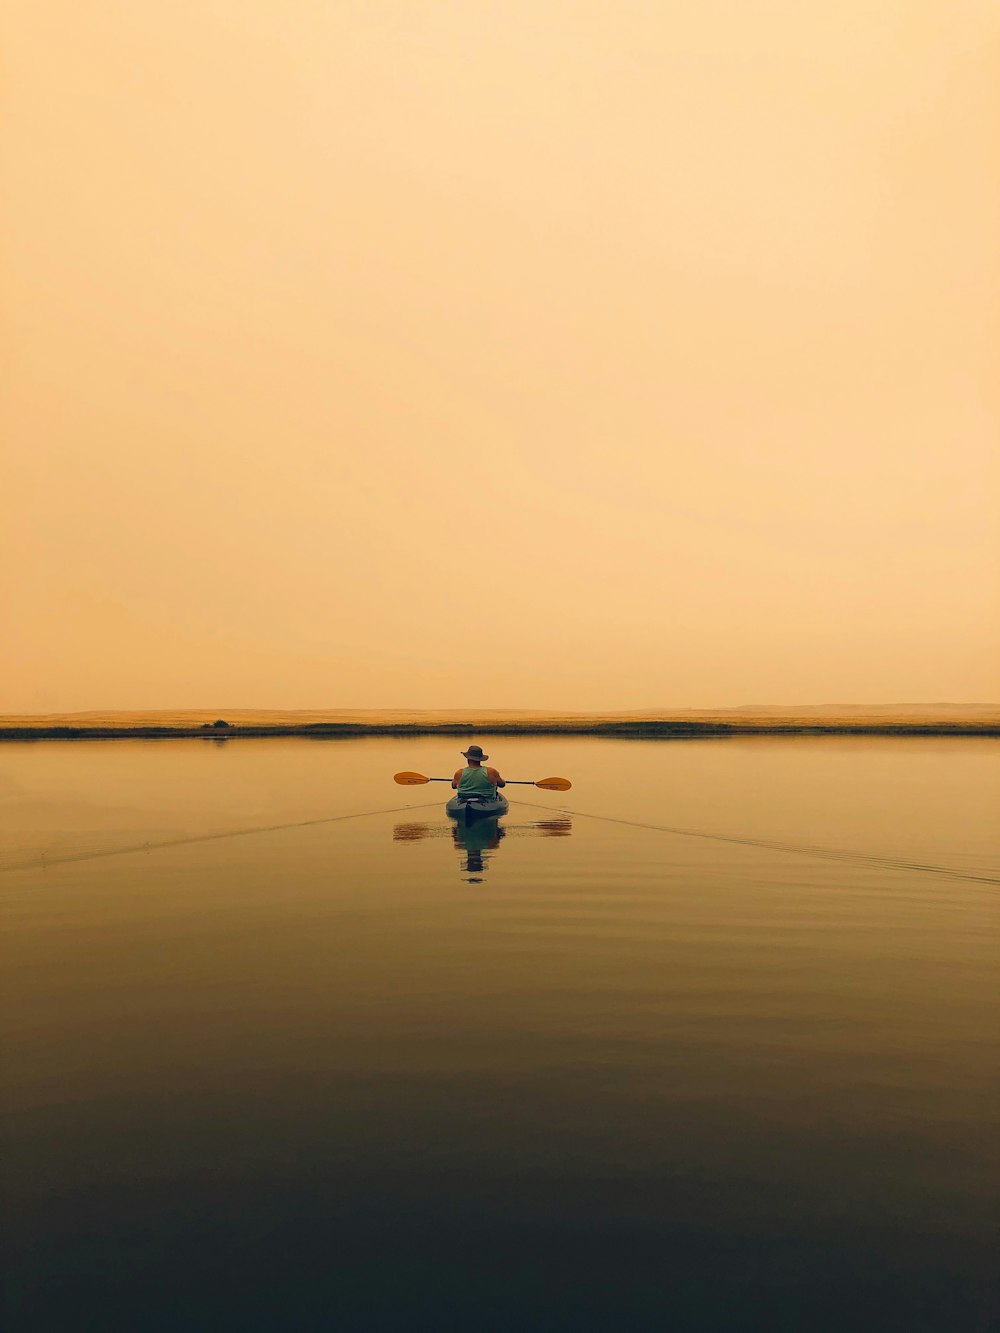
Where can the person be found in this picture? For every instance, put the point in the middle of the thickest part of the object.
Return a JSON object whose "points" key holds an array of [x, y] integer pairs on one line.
{"points": [[475, 780]]}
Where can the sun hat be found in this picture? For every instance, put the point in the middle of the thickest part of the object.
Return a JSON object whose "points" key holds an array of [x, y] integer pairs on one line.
{"points": [[474, 752]]}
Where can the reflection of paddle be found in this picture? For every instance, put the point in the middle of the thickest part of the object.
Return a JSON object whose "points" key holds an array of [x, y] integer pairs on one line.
{"points": [[410, 832], [548, 784]]}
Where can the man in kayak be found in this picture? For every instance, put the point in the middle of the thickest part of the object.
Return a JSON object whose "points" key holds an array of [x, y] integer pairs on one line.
{"points": [[475, 780]]}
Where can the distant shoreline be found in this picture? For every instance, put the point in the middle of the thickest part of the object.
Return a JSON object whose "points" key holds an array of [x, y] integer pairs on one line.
{"points": [[666, 729], [904, 719]]}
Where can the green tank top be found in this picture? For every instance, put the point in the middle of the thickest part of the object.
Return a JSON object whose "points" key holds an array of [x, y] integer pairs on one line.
{"points": [[475, 782]]}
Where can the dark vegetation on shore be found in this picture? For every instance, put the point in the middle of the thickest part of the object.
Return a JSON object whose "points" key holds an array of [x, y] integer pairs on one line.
{"points": [[641, 730]]}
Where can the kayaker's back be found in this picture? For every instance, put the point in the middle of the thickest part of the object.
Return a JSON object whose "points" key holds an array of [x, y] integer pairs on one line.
{"points": [[475, 781]]}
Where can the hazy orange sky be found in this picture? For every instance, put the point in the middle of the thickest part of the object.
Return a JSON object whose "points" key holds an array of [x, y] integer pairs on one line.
{"points": [[468, 354]]}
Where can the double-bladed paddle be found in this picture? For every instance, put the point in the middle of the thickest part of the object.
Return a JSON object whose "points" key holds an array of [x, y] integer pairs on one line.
{"points": [[548, 784]]}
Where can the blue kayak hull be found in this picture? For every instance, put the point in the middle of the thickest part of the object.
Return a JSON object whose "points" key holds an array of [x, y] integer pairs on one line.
{"points": [[476, 807]]}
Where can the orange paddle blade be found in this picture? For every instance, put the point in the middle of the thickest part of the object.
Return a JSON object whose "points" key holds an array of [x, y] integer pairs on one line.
{"points": [[410, 779], [554, 784]]}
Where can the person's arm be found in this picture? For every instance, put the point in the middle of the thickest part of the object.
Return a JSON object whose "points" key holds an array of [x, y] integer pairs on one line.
{"points": [[495, 777], [457, 778]]}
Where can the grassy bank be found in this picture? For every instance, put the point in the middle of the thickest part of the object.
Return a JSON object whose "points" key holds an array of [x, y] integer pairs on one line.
{"points": [[641, 730]]}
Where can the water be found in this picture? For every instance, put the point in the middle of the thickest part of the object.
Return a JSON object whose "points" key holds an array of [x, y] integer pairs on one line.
{"points": [[556, 1074]]}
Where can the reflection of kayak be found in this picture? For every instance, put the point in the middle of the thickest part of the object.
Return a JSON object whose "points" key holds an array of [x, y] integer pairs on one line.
{"points": [[477, 807]]}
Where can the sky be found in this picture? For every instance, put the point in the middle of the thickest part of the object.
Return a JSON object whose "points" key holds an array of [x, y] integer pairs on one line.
{"points": [[474, 354]]}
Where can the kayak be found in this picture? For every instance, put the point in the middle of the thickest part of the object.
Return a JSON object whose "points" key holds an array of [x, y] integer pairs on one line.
{"points": [[477, 807]]}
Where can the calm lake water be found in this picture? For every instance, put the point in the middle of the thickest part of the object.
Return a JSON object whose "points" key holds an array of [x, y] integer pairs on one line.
{"points": [[706, 1043]]}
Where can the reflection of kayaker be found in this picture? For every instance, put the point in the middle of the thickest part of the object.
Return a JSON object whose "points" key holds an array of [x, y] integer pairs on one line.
{"points": [[475, 838]]}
